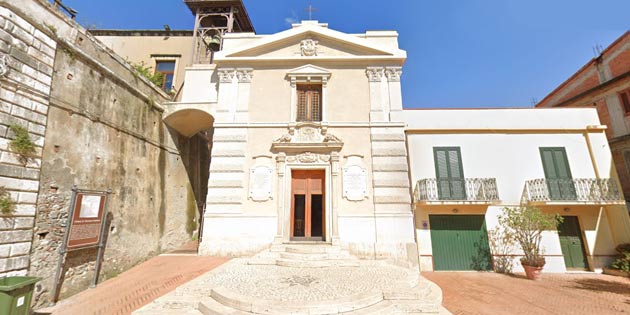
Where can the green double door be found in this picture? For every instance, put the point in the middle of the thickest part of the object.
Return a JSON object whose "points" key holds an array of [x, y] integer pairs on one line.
{"points": [[460, 242], [572, 243]]}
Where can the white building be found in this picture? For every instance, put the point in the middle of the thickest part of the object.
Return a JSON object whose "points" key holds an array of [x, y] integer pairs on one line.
{"points": [[467, 165]]}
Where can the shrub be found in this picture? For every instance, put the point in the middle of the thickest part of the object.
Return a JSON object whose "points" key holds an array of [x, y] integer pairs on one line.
{"points": [[22, 143], [525, 225], [7, 205], [146, 71], [622, 262]]}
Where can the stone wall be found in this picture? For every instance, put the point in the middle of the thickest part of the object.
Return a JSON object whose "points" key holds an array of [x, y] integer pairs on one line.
{"points": [[98, 126], [26, 60]]}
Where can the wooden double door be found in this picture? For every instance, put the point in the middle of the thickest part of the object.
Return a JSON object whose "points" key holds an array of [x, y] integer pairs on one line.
{"points": [[308, 209]]}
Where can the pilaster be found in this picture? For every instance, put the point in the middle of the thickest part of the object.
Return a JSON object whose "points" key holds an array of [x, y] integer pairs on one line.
{"points": [[244, 76]]}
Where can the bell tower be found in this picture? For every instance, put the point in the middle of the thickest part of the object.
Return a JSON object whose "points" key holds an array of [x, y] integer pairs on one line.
{"points": [[213, 19]]}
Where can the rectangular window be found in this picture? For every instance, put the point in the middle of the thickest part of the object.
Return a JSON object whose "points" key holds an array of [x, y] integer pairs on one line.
{"points": [[167, 69], [624, 99], [449, 173], [309, 102]]}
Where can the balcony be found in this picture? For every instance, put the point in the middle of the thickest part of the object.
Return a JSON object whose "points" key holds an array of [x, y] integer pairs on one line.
{"points": [[572, 191], [456, 191]]}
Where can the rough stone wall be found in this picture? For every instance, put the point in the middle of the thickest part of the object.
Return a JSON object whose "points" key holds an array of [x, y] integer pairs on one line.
{"points": [[26, 60], [103, 130]]}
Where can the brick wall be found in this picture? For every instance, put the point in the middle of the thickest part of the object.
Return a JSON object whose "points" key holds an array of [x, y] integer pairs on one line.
{"points": [[24, 98]]}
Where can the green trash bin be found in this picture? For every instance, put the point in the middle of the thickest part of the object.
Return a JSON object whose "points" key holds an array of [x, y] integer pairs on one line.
{"points": [[16, 294]]}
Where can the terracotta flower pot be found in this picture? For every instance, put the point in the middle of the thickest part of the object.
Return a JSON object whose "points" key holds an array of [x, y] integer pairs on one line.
{"points": [[532, 273]]}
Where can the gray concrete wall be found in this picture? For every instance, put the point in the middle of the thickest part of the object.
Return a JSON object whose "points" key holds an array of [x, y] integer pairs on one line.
{"points": [[103, 130]]}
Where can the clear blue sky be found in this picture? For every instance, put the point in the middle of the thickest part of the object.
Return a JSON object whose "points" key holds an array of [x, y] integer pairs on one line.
{"points": [[461, 53]]}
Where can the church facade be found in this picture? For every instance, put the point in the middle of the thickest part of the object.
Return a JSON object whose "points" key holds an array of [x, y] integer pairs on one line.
{"points": [[304, 144]]}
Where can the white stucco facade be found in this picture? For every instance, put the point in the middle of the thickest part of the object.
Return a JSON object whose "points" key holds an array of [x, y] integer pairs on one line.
{"points": [[504, 145]]}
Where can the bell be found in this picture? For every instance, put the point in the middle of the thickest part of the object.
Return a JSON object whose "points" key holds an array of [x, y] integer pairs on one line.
{"points": [[215, 43]]}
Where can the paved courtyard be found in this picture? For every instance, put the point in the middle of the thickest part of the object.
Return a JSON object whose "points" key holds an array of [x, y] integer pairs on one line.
{"points": [[302, 280], [471, 293], [136, 287]]}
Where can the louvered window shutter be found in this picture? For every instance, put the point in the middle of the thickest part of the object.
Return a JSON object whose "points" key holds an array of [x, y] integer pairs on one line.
{"points": [[309, 103], [557, 174], [449, 173]]}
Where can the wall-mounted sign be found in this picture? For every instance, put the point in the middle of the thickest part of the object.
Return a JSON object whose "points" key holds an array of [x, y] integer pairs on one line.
{"points": [[87, 220], [354, 183], [260, 183]]}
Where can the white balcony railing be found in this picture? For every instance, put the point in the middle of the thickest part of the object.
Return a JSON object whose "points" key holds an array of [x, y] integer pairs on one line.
{"points": [[467, 189], [587, 190]]}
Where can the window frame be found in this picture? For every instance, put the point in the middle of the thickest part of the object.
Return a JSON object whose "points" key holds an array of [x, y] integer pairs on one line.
{"points": [[624, 105], [168, 58], [309, 97], [165, 73], [309, 74]]}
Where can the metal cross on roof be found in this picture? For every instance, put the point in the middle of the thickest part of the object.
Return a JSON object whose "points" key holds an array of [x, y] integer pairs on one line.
{"points": [[310, 11]]}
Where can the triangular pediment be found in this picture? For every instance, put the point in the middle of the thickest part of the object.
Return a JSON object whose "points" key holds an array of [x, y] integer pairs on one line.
{"points": [[329, 44], [309, 70]]}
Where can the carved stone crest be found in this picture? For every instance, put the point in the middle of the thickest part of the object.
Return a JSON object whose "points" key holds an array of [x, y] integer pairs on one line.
{"points": [[308, 47], [308, 134], [308, 137], [5, 61], [307, 157]]}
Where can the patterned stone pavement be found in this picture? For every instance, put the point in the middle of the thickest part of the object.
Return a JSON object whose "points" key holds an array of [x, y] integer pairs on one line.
{"points": [[244, 286], [472, 293]]}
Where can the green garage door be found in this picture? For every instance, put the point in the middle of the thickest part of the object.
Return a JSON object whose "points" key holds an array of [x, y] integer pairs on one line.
{"points": [[460, 242]]}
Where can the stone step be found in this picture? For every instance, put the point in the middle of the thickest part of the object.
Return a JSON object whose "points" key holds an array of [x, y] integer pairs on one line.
{"points": [[166, 311], [262, 261], [382, 308], [416, 307], [312, 249], [317, 256], [316, 263], [210, 306]]}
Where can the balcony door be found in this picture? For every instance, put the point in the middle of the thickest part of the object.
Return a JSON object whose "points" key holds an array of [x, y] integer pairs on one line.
{"points": [[558, 174], [307, 205], [449, 173]]}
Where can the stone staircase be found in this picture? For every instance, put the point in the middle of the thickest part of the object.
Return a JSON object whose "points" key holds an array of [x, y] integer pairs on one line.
{"points": [[306, 256]]}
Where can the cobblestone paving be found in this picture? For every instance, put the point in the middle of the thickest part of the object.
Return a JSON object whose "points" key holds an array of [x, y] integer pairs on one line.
{"points": [[303, 284], [575, 294]]}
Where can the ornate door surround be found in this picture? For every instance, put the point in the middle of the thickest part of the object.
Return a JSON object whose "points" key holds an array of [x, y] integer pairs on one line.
{"points": [[307, 146]]}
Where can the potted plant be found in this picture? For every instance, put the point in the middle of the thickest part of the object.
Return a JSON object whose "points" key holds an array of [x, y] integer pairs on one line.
{"points": [[525, 225]]}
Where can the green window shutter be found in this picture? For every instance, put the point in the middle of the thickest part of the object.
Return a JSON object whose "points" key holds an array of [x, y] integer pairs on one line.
{"points": [[558, 173], [449, 173]]}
